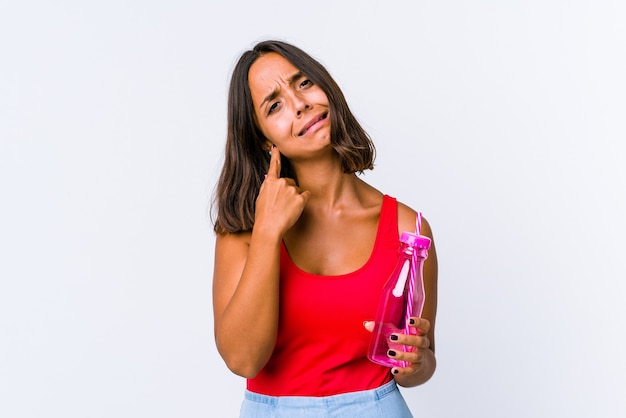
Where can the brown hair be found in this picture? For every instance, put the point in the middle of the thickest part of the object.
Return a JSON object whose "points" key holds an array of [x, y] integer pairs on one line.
{"points": [[246, 160]]}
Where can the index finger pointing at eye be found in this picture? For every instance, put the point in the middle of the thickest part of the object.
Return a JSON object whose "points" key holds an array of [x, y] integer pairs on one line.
{"points": [[274, 169]]}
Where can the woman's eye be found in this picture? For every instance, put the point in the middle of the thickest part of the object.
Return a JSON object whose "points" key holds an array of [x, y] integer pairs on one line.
{"points": [[306, 83], [272, 108]]}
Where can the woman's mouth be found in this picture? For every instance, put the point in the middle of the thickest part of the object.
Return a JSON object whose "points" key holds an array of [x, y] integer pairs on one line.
{"points": [[312, 122]]}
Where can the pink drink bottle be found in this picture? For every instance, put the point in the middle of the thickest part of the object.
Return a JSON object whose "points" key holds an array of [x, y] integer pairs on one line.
{"points": [[401, 298]]}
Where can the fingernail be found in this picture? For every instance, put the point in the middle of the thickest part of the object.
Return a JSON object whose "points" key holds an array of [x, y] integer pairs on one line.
{"points": [[391, 353], [393, 337], [411, 321], [395, 371]]}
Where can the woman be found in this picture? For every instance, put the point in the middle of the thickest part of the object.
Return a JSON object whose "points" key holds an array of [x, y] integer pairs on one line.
{"points": [[304, 247]]}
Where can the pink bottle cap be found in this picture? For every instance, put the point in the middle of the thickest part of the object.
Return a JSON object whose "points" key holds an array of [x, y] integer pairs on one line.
{"points": [[415, 241]]}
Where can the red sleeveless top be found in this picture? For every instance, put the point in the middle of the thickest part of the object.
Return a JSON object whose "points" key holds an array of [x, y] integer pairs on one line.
{"points": [[321, 348]]}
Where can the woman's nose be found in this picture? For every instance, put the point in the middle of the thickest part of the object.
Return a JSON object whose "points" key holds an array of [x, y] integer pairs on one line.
{"points": [[301, 104]]}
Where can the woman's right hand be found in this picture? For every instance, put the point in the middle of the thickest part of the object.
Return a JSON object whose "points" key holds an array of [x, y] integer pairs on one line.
{"points": [[280, 201]]}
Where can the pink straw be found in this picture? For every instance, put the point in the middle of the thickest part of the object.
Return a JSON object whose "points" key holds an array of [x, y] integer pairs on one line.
{"points": [[411, 292]]}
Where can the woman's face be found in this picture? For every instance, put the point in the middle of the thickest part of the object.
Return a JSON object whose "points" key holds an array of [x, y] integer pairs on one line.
{"points": [[290, 110]]}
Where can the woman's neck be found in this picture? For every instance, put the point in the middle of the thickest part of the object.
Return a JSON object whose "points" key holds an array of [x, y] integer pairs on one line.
{"points": [[331, 188]]}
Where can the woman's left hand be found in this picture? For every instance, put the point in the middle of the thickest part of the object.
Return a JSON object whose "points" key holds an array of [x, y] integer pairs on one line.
{"points": [[408, 347], [417, 343]]}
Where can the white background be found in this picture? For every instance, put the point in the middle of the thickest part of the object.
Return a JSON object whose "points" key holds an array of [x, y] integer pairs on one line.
{"points": [[502, 121]]}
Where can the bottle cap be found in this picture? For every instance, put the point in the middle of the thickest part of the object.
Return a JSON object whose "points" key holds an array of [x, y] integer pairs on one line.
{"points": [[415, 241]]}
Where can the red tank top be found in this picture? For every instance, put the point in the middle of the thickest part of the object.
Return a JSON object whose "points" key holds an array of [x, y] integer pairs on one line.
{"points": [[321, 348]]}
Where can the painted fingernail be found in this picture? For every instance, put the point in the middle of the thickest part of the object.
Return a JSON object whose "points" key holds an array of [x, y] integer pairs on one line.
{"points": [[411, 321], [391, 353], [395, 371], [393, 337]]}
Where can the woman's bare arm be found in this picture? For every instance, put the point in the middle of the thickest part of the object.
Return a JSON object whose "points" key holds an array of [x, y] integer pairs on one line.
{"points": [[246, 276]]}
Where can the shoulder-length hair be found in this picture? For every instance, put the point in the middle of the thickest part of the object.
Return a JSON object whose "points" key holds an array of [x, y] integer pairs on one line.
{"points": [[245, 158]]}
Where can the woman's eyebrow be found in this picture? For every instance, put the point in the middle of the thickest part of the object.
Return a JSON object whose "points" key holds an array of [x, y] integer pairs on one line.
{"points": [[294, 77], [272, 95], [269, 97]]}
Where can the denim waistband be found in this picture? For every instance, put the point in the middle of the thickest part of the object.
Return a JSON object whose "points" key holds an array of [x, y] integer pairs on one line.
{"points": [[325, 401]]}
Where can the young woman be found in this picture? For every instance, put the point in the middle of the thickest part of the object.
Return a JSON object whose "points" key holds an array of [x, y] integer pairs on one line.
{"points": [[304, 247]]}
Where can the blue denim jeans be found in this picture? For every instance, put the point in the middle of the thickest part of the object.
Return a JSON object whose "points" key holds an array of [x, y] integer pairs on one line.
{"points": [[383, 402]]}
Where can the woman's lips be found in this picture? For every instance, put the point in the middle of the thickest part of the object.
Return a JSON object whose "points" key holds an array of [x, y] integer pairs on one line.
{"points": [[312, 122]]}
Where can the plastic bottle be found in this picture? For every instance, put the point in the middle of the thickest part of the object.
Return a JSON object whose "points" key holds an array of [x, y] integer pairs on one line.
{"points": [[402, 297]]}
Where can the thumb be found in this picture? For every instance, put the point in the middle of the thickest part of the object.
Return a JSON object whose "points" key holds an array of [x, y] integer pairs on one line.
{"points": [[369, 325], [306, 195]]}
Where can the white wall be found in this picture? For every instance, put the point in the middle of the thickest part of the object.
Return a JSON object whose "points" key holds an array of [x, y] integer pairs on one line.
{"points": [[501, 121]]}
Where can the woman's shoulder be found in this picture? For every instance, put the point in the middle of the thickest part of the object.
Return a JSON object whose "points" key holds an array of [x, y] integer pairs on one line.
{"points": [[406, 214], [407, 220], [233, 240]]}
